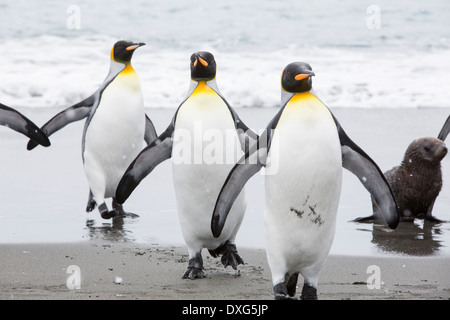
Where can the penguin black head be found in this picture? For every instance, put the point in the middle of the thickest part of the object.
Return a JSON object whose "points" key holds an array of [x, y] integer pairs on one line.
{"points": [[123, 50], [296, 77], [203, 66]]}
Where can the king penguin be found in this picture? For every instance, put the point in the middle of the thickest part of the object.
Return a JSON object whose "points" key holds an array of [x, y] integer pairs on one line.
{"points": [[115, 129], [303, 149], [16, 121], [200, 124]]}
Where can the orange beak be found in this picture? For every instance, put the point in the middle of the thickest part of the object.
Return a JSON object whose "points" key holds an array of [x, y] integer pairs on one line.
{"points": [[301, 76], [203, 62], [132, 47]]}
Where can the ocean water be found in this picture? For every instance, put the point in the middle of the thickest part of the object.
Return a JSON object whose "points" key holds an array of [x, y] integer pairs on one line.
{"points": [[368, 54], [43, 193]]}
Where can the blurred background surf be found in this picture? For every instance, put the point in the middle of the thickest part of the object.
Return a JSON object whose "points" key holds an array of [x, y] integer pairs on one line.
{"points": [[370, 54]]}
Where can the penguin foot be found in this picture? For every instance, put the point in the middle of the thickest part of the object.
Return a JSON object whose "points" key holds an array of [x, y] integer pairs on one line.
{"points": [[91, 204], [195, 268], [308, 292], [121, 212], [194, 273], [108, 214], [280, 292], [124, 214], [230, 256], [105, 213]]}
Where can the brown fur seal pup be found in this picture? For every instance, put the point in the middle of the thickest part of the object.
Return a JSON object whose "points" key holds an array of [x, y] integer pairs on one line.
{"points": [[416, 183]]}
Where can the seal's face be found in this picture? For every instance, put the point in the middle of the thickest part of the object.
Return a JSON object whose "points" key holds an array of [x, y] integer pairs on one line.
{"points": [[428, 149]]}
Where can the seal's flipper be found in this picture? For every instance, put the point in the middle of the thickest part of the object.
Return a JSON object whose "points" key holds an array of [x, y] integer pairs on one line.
{"points": [[429, 216], [150, 132], [360, 164], [76, 112], [445, 130], [18, 122], [247, 167], [158, 151]]}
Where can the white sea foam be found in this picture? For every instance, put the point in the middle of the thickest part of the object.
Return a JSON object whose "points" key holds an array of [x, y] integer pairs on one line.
{"points": [[49, 71], [404, 63]]}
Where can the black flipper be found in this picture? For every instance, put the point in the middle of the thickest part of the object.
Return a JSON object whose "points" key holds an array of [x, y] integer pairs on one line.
{"points": [[155, 153], [150, 132], [253, 160], [445, 130], [247, 137], [18, 122], [360, 164], [242, 171], [76, 112]]}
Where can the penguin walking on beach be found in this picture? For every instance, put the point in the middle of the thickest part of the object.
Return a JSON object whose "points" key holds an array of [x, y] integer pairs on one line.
{"points": [[16, 121], [114, 132], [303, 149], [204, 140]]}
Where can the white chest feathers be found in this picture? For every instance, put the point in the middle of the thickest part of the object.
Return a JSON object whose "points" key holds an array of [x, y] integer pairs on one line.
{"points": [[115, 133], [204, 131]]}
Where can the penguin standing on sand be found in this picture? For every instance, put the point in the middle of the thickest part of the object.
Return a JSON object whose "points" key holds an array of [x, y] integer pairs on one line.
{"points": [[303, 148], [201, 161], [16, 121], [115, 129]]}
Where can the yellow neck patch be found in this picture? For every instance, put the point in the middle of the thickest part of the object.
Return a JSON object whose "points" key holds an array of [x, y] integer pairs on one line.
{"points": [[128, 70], [304, 97], [304, 107], [203, 88]]}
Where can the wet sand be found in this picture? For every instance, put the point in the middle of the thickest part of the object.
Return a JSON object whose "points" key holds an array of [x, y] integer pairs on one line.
{"points": [[129, 271]]}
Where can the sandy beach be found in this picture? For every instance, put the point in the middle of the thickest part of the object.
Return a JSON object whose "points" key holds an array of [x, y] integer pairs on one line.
{"points": [[381, 67], [45, 230], [130, 272]]}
